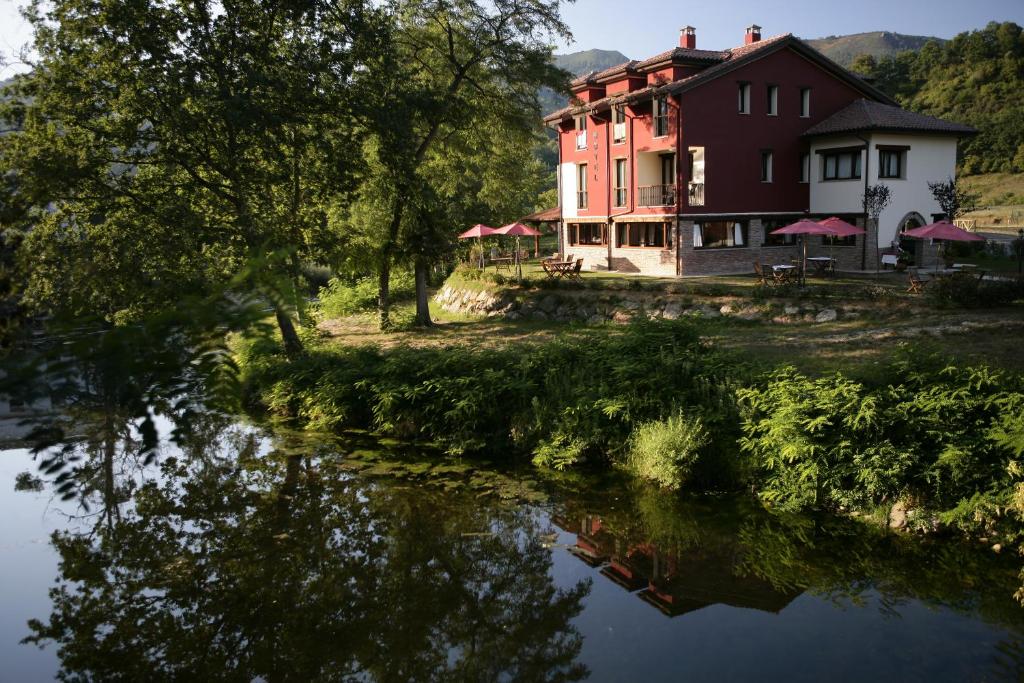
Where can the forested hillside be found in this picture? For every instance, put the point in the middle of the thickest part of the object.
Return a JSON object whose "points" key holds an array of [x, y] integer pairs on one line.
{"points": [[976, 78], [878, 44]]}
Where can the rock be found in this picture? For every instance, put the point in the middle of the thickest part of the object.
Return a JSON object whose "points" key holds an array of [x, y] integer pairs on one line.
{"points": [[539, 315], [826, 315], [711, 312], [749, 314], [621, 317], [630, 305], [726, 309], [791, 309], [548, 304], [898, 515], [782, 319], [514, 315], [672, 311]]}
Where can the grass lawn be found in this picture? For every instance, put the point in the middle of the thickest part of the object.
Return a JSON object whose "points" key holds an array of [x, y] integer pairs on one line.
{"points": [[858, 347]]}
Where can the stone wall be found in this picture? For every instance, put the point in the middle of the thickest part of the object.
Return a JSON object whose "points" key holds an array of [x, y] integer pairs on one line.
{"points": [[622, 306]]}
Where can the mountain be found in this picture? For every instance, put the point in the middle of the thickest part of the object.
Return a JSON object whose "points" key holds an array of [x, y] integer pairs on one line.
{"points": [[579, 63], [878, 44]]}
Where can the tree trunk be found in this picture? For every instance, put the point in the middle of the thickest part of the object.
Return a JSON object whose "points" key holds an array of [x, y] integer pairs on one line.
{"points": [[292, 343], [422, 301], [384, 296]]}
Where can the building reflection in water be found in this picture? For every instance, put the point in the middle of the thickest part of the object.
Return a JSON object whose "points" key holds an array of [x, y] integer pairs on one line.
{"points": [[676, 580]]}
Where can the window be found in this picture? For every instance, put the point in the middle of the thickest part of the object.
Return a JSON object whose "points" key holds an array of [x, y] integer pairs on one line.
{"points": [[841, 165], [581, 132], [805, 168], [618, 124], [719, 234], [650, 235], [620, 182], [766, 166], [805, 102], [890, 163], [660, 116], [773, 100], [583, 234], [833, 241], [771, 240], [744, 98], [581, 186]]}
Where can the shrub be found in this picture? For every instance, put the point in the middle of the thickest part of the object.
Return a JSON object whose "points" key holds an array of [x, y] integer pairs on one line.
{"points": [[965, 290], [342, 298], [667, 451]]}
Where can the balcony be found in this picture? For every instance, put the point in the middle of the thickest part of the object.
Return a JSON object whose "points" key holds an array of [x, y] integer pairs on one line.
{"points": [[581, 199], [656, 195], [619, 132], [581, 140], [695, 194]]}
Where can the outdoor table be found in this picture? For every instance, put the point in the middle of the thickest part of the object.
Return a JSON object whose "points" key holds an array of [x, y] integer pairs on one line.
{"points": [[821, 264], [783, 266], [961, 266], [557, 269], [503, 261]]}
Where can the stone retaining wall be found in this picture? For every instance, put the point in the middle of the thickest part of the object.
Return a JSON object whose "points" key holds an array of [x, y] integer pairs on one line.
{"points": [[594, 307]]}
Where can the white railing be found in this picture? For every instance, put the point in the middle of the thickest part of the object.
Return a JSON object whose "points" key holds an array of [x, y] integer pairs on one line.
{"points": [[581, 140]]}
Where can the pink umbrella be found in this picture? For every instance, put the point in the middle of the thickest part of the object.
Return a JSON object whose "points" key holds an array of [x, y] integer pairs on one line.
{"points": [[479, 230], [840, 227], [943, 230], [804, 226], [517, 229]]}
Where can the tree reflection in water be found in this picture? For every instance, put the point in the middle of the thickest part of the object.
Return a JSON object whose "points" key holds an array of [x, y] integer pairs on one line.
{"points": [[277, 566]]}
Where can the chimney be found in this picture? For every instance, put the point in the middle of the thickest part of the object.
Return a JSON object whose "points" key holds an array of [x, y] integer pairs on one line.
{"points": [[753, 34], [688, 37]]}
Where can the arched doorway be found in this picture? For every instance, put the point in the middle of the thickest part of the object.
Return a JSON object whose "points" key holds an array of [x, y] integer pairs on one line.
{"points": [[908, 245]]}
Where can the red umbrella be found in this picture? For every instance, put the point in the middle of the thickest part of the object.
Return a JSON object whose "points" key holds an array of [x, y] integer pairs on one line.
{"points": [[517, 229], [479, 230], [804, 226], [840, 227], [943, 230]]}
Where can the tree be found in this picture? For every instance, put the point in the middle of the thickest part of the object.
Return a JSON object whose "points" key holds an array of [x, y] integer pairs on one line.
{"points": [[176, 141], [953, 198], [876, 199], [458, 72]]}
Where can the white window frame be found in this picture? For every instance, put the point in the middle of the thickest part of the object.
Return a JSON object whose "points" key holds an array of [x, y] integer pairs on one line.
{"points": [[773, 100], [743, 95], [767, 170], [805, 103]]}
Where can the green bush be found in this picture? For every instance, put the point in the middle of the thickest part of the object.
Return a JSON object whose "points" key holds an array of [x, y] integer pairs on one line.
{"points": [[948, 439], [965, 290], [342, 298], [667, 451], [563, 402]]}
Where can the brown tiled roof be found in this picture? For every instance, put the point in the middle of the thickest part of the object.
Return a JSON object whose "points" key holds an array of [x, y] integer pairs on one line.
{"points": [[545, 216], [867, 115], [685, 54]]}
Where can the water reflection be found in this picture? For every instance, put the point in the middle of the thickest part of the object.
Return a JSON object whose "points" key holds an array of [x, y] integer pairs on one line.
{"points": [[272, 565], [243, 556]]}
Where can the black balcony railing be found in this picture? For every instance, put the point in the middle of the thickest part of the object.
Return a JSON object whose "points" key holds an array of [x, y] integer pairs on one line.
{"points": [[695, 194], [581, 199], [656, 195]]}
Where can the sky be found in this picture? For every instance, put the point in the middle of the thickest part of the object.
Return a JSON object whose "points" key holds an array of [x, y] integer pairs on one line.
{"points": [[641, 28]]}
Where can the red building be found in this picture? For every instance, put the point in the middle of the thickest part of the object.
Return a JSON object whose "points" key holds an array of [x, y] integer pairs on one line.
{"points": [[684, 162]]}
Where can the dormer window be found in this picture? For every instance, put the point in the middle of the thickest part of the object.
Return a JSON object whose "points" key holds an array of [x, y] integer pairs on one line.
{"points": [[743, 92], [581, 132], [660, 116]]}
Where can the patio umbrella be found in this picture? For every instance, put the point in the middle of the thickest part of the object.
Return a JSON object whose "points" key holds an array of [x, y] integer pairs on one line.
{"points": [[841, 228], [804, 226], [944, 231], [518, 230], [478, 231]]}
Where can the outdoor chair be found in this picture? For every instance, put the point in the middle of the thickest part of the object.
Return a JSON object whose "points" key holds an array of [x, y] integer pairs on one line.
{"points": [[575, 273], [762, 278], [917, 282]]}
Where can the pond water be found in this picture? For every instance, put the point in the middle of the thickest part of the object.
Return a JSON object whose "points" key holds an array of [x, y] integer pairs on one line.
{"points": [[244, 555]]}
